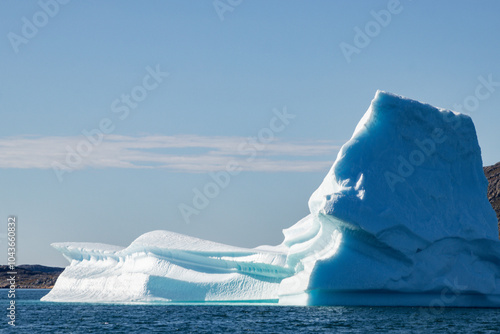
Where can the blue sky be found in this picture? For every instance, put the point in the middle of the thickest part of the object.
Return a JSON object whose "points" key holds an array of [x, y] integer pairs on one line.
{"points": [[233, 67]]}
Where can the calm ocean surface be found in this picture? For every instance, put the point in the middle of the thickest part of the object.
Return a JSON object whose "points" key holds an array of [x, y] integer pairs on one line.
{"points": [[33, 316]]}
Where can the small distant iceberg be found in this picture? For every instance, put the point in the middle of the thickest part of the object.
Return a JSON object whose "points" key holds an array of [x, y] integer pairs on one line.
{"points": [[401, 219]]}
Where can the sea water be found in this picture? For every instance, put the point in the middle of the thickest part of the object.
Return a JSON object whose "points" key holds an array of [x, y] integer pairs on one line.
{"points": [[33, 316]]}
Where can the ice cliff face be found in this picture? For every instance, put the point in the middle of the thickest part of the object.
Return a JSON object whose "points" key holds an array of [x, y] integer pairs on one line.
{"points": [[402, 218]]}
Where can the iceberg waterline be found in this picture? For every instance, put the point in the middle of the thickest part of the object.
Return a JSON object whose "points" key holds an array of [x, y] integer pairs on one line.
{"points": [[402, 218]]}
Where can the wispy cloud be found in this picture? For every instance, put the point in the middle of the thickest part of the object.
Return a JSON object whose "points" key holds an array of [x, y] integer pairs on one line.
{"points": [[183, 153]]}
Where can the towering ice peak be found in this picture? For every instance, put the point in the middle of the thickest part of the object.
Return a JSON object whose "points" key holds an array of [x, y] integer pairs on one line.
{"points": [[410, 170], [405, 211]]}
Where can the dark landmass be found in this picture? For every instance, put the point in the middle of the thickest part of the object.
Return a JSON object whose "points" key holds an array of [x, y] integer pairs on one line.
{"points": [[493, 175], [30, 276], [42, 277]]}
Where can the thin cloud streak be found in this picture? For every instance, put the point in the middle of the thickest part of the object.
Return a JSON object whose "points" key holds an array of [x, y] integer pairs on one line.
{"points": [[184, 153]]}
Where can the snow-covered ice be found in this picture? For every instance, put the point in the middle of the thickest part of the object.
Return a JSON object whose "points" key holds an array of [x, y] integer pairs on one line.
{"points": [[167, 266], [402, 218]]}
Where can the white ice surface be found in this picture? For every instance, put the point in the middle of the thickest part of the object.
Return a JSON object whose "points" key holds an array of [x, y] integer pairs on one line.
{"points": [[167, 266]]}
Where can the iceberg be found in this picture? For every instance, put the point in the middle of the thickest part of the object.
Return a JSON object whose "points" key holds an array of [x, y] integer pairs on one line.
{"points": [[401, 219]]}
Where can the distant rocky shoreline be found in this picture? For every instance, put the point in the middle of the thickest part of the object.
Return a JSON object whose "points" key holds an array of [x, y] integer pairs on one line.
{"points": [[43, 277], [30, 276], [493, 175]]}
